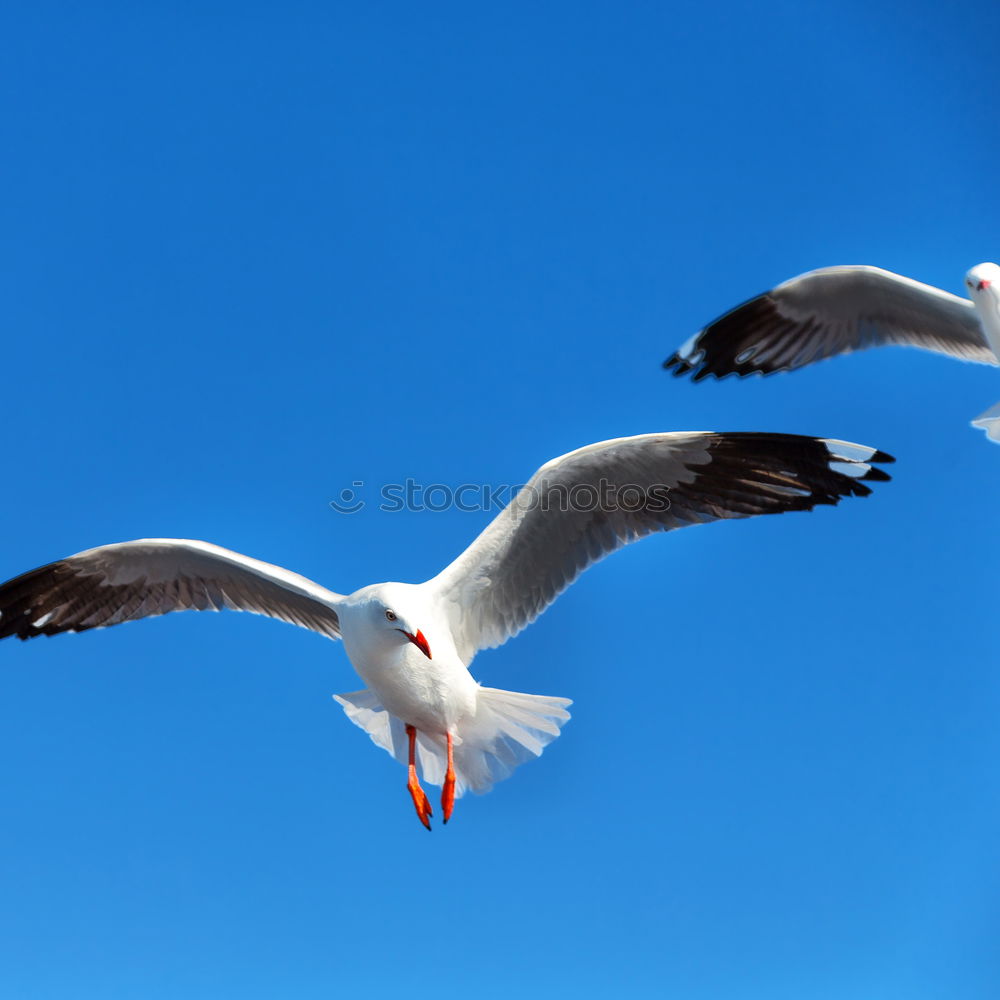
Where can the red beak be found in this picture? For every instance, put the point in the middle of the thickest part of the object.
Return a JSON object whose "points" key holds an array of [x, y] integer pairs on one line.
{"points": [[420, 642]]}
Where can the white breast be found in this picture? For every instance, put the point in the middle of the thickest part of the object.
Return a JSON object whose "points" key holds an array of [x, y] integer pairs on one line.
{"points": [[434, 695]]}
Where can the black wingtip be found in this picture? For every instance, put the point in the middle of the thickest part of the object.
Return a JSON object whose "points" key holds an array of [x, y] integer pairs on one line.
{"points": [[702, 369], [877, 475], [677, 365]]}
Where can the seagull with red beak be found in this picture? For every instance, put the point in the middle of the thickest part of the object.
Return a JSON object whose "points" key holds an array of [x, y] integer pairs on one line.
{"points": [[412, 644], [836, 310]]}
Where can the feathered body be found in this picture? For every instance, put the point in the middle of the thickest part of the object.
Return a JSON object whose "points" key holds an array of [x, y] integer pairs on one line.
{"points": [[412, 644], [838, 310]]}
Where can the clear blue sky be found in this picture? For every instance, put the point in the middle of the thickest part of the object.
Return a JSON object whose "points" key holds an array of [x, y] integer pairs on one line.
{"points": [[254, 252]]}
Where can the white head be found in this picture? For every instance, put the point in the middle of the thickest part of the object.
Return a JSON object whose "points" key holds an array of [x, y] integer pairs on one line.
{"points": [[384, 616], [983, 278]]}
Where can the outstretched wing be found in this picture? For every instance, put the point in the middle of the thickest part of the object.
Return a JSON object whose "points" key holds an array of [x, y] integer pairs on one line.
{"points": [[832, 311], [152, 576], [578, 508]]}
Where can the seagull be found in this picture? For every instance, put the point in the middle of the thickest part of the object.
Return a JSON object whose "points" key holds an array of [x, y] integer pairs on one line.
{"points": [[836, 310], [412, 644]]}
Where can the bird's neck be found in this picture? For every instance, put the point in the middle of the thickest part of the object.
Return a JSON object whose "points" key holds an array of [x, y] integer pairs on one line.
{"points": [[988, 307]]}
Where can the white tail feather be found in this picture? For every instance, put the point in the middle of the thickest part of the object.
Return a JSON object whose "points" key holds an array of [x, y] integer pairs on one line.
{"points": [[989, 422], [507, 729]]}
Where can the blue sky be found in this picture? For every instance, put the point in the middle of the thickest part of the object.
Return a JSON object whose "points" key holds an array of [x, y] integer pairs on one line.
{"points": [[252, 253]]}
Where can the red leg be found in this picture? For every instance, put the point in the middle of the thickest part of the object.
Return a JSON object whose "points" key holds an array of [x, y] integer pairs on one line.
{"points": [[448, 788], [418, 795]]}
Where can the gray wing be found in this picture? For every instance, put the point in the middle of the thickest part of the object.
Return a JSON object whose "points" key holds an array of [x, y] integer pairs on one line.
{"points": [[832, 311], [578, 508], [152, 576]]}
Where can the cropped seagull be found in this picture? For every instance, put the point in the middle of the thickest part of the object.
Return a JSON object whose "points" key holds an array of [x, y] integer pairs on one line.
{"points": [[412, 643], [836, 310]]}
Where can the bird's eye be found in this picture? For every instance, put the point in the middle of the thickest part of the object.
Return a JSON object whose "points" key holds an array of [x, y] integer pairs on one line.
{"points": [[390, 616]]}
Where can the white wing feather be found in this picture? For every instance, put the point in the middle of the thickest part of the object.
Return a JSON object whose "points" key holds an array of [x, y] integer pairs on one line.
{"points": [[543, 540], [153, 576], [833, 311]]}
